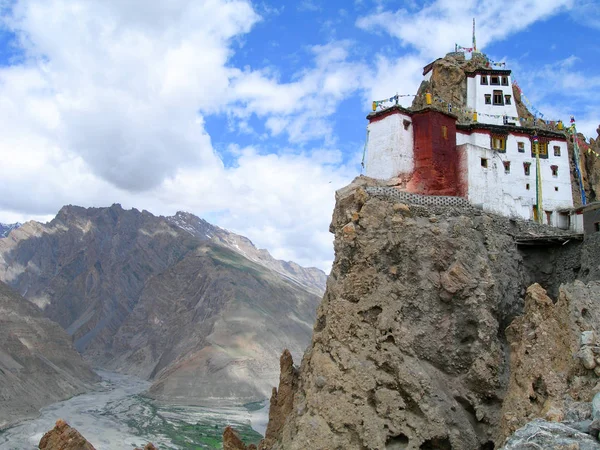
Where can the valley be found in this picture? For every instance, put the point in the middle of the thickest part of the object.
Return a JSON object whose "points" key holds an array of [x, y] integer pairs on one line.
{"points": [[116, 415]]}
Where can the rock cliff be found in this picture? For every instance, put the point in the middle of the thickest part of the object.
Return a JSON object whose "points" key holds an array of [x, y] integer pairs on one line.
{"points": [[192, 307], [64, 437], [38, 364], [409, 348]]}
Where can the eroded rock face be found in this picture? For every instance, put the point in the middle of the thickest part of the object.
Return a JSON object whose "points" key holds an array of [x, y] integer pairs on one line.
{"points": [[409, 349], [282, 400], [63, 437], [231, 441], [545, 373]]}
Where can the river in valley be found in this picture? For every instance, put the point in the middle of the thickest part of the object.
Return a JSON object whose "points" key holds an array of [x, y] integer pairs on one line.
{"points": [[116, 416]]}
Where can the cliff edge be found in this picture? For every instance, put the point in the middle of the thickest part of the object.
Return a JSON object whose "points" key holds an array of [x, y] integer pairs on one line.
{"points": [[409, 348]]}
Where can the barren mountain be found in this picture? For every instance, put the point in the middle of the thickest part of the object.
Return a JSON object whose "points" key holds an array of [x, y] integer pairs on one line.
{"points": [[310, 278], [38, 364], [157, 297]]}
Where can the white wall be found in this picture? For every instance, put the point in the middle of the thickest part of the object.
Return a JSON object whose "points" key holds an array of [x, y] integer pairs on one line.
{"points": [[507, 193], [476, 100], [390, 148]]}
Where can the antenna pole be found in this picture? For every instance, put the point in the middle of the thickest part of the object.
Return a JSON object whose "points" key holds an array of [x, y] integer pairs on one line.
{"points": [[474, 42]]}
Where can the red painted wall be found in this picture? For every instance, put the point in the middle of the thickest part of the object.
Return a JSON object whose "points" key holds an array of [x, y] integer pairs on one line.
{"points": [[437, 161]]}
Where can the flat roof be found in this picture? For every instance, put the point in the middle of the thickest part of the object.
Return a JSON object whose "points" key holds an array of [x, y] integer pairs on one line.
{"points": [[488, 72], [501, 129]]}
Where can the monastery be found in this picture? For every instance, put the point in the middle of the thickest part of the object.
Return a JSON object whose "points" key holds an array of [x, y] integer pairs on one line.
{"points": [[480, 149]]}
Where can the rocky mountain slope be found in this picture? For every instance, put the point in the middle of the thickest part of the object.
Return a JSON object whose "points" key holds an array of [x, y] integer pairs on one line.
{"points": [[410, 350], [6, 228], [309, 278], [157, 297], [38, 364]]}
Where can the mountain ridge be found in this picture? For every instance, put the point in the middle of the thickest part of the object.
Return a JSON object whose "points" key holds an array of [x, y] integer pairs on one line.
{"points": [[142, 295]]}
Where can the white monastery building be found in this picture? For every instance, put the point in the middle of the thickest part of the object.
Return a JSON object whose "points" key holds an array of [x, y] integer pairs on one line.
{"points": [[491, 159]]}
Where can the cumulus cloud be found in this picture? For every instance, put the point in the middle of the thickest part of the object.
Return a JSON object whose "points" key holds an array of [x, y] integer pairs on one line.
{"points": [[123, 80], [108, 103]]}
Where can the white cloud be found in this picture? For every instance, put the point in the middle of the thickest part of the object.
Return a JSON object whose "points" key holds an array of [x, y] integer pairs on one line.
{"points": [[108, 107], [434, 29], [302, 107]]}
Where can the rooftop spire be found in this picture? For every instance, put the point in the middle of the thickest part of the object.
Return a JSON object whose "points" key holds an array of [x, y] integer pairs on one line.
{"points": [[474, 42]]}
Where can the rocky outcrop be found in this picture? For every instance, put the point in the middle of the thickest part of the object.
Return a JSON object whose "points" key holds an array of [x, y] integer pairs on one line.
{"points": [[63, 437], [541, 434], [166, 299], [231, 441], [545, 374], [409, 349], [282, 400], [38, 364], [590, 168]]}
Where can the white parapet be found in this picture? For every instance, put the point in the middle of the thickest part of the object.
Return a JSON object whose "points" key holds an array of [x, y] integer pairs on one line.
{"points": [[390, 143]]}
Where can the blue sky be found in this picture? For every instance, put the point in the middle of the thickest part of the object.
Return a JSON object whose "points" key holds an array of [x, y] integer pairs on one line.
{"points": [[249, 114]]}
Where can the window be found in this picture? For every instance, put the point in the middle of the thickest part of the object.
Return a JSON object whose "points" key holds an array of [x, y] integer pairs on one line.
{"points": [[541, 146], [554, 171], [507, 99], [488, 99], [556, 150], [445, 132], [498, 98], [498, 142], [527, 167], [556, 188], [483, 162], [495, 80], [521, 147], [527, 186], [506, 166], [483, 79], [505, 81]]}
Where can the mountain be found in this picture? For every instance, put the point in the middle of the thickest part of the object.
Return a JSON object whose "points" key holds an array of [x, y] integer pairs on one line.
{"points": [[6, 228], [38, 364], [165, 298], [310, 278]]}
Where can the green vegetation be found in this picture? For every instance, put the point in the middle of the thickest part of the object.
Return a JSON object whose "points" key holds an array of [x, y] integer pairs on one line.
{"points": [[180, 428]]}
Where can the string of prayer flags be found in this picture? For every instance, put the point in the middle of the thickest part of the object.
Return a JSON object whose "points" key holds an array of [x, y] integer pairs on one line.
{"points": [[380, 103], [460, 48]]}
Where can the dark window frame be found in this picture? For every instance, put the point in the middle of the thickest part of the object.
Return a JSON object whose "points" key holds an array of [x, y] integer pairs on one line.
{"points": [[498, 95]]}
